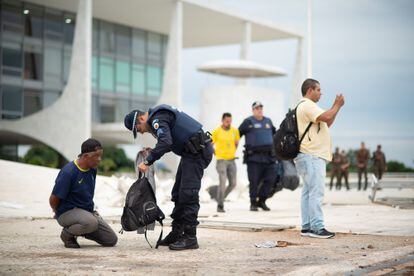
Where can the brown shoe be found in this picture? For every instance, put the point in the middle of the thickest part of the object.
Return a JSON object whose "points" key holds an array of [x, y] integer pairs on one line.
{"points": [[68, 239]]}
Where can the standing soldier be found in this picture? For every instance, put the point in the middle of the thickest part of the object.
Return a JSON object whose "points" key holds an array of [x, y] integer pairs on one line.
{"points": [[225, 139], [344, 169], [177, 132], [380, 164], [336, 169], [362, 164], [259, 155]]}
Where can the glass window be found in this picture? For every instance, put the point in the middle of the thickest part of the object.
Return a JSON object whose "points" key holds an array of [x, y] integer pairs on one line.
{"points": [[138, 78], [95, 109], [123, 40], [153, 80], [123, 78], [107, 113], [33, 21], [50, 97], [69, 27], [53, 59], [154, 47], [95, 35], [33, 66], [12, 16], [53, 25], [12, 59], [66, 64], [138, 44], [32, 101], [11, 98], [106, 74], [122, 108], [106, 37], [94, 72]]}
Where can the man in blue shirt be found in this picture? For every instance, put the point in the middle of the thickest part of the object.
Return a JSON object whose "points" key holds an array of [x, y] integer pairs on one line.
{"points": [[72, 199]]}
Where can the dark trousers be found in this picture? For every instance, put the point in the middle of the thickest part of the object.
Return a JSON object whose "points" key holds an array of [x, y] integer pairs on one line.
{"points": [[187, 186], [360, 172], [378, 172], [257, 173], [344, 174], [335, 173]]}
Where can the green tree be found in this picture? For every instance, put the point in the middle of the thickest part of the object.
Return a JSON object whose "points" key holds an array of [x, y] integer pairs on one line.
{"points": [[43, 156], [395, 166], [114, 159]]}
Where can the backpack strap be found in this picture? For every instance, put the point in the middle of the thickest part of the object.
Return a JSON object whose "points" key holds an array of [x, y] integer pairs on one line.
{"points": [[306, 131], [307, 128], [145, 234], [160, 237]]}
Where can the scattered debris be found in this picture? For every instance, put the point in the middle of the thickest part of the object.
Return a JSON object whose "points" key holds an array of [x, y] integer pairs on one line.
{"points": [[370, 246], [272, 244]]}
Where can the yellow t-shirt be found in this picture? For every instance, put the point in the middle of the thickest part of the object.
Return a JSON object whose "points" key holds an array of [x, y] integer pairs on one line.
{"points": [[317, 141], [225, 142]]}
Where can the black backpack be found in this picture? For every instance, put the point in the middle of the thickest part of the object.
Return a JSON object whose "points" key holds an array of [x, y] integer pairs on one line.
{"points": [[286, 139], [141, 208]]}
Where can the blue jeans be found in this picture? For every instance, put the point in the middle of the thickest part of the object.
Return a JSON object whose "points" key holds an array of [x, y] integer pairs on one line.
{"points": [[312, 170]]}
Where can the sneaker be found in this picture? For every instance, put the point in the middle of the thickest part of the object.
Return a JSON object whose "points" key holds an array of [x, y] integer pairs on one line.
{"points": [[68, 239], [321, 234], [305, 232]]}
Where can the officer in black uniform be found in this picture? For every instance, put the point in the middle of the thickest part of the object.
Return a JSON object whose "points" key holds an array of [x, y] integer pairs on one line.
{"points": [[177, 132], [259, 155]]}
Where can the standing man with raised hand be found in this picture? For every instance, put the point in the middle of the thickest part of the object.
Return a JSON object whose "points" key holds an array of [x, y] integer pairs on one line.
{"points": [[362, 164], [72, 199], [225, 139], [177, 132], [315, 152], [259, 155]]}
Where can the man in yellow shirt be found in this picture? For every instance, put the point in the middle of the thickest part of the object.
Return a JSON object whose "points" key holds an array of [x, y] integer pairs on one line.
{"points": [[225, 139], [315, 151]]}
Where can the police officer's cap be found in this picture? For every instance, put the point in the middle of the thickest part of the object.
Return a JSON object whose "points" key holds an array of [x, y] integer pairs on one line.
{"points": [[257, 104], [131, 120]]}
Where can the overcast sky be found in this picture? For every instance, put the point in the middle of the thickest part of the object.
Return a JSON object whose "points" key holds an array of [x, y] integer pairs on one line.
{"points": [[362, 48]]}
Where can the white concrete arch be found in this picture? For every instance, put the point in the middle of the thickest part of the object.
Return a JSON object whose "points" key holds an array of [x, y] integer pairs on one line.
{"points": [[55, 125]]}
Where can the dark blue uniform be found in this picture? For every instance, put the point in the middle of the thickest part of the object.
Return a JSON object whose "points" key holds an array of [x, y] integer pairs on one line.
{"points": [[174, 131], [259, 155]]}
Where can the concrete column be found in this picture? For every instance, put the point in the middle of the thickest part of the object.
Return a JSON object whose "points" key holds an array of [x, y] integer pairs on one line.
{"points": [[171, 91], [297, 77], [309, 39], [66, 123], [245, 48]]}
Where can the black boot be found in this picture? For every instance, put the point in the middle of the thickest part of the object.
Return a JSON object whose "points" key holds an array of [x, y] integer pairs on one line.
{"points": [[173, 236], [187, 241], [253, 205], [220, 209], [68, 239], [262, 204]]}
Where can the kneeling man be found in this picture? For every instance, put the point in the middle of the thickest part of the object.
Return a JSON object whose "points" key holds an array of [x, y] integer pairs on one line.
{"points": [[72, 199]]}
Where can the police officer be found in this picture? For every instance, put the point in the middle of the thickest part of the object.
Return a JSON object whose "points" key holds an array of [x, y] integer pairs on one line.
{"points": [[177, 132], [259, 155], [336, 169]]}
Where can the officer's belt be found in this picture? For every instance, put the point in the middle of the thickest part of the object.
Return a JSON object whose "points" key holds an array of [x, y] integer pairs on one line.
{"points": [[197, 142], [267, 150]]}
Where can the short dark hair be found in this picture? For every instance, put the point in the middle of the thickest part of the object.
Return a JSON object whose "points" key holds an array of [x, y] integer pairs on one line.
{"points": [[308, 83], [225, 115], [90, 145]]}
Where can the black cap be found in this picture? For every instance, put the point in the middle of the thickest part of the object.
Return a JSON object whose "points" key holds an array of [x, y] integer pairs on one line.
{"points": [[256, 104], [131, 120], [90, 145]]}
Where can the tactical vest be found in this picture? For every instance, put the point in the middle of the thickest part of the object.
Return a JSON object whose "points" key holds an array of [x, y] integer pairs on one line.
{"points": [[260, 133], [184, 127]]}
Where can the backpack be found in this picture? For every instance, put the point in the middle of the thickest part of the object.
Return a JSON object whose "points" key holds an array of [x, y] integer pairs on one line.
{"points": [[286, 139], [141, 208]]}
